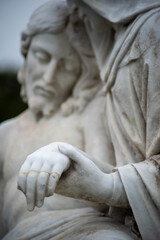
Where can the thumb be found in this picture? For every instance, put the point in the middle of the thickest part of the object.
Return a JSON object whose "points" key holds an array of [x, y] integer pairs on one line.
{"points": [[73, 153]]}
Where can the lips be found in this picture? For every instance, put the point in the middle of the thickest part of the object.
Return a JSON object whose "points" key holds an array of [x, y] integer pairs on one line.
{"points": [[44, 91]]}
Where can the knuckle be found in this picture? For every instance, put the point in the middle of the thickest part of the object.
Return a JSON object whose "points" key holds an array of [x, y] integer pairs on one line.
{"points": [[31, 177], [21, 177], [33, 157], [54, 176], [32, 174], [42, 177], [29, 158]]}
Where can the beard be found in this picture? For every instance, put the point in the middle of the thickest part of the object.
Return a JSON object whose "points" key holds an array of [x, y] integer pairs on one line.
{"points": [[42, 107]]}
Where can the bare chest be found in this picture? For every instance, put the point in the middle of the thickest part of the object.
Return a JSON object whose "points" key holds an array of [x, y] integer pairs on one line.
{"points": [[29, 138]]}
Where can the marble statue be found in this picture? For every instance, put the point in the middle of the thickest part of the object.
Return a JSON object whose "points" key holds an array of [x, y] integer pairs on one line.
{"points": [[61, 84], [125, 38]]}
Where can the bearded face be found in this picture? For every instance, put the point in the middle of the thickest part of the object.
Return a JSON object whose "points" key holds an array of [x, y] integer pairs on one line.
{"points": [[52, 68]]}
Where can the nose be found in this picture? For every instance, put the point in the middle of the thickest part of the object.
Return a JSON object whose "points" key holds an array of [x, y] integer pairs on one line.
{"points": [[50, 71]]}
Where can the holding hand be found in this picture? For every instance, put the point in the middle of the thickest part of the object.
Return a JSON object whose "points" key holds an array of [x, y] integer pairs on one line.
{"points": [[40, 175]]}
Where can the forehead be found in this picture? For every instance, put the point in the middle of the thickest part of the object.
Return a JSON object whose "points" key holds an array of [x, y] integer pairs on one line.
{"points": [[54, 44]]}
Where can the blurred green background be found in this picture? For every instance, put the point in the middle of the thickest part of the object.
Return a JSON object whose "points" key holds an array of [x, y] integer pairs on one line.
{"points": [[10, 101]]}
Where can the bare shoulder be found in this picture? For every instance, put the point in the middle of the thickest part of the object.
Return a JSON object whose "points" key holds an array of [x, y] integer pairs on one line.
{"points": [[96, 106], [8, 125], [8, 129], [4, 132]]}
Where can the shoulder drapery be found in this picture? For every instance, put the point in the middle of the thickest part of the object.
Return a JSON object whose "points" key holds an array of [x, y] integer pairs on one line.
{"points": [[129, 63], [119, 11], [133, 119]]}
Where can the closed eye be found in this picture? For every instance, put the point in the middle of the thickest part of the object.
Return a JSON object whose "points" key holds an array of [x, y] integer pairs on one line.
{"points": [[41, 55]]}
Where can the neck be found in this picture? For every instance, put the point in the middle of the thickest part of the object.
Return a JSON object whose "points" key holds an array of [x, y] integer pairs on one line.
{"points": [[35, 117]]}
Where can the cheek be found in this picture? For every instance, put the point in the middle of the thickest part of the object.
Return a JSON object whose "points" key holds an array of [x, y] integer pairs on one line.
{"points": [[32, 75], [66, 84], [68, 80], [33, 68]]}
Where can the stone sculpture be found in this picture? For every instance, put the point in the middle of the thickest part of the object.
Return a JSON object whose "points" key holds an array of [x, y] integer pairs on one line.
{"points": [[125, 37], [59, 80], [123, 172]]}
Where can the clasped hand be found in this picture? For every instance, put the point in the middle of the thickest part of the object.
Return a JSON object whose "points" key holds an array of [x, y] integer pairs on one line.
{"points": [[40, 175]]}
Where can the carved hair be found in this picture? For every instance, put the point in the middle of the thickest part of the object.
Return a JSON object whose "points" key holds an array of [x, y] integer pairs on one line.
{"points": [[54, 17]]}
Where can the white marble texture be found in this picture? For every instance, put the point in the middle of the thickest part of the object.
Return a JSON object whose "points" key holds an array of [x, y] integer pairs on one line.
{"points": [[104, 145]]}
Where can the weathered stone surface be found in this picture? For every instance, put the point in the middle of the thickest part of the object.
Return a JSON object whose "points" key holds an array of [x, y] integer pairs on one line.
{"points": [[102, 138]]}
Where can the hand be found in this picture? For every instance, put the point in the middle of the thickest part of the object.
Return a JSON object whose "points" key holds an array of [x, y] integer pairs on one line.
{"points": [[40, 173], [83, 180]]}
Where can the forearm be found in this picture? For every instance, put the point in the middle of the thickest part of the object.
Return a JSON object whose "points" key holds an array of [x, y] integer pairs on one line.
{"points": [[118, 197], [133, 180], [111, 191]]}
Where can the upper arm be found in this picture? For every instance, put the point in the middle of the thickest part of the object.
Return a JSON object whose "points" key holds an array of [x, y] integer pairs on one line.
{"points": [[152, 60], [5, 129], [145, 69], [97, 143]]}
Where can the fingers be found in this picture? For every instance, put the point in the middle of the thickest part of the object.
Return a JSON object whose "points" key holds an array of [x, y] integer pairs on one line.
{"points": [[30, 190], [42, 182], [62, 165], [31, 181], [52, 183], [73, 153], [39, 175], [23, 175], [21, 185], [54, 178]]}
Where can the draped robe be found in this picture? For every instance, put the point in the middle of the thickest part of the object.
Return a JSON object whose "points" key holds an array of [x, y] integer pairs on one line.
{"points": [[129, 63]]}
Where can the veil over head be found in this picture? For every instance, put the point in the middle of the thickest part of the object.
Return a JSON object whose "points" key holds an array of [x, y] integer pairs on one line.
{"points": [[102, 18], [119, 11]]}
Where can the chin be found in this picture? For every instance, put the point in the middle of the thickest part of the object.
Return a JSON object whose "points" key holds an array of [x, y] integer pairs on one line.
{"points": [[48, 112], [42, 107]]}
